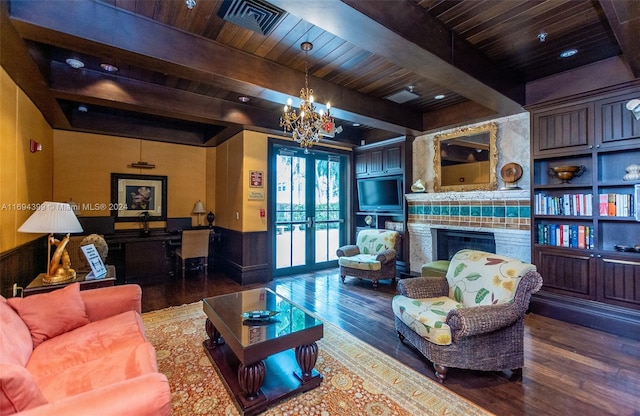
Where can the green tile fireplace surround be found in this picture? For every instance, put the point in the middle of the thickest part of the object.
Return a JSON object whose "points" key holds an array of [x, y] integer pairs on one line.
{"points": [[505, 214]]}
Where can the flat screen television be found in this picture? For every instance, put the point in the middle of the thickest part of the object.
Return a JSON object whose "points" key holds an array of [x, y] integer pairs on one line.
{"points": [[380, 194]]}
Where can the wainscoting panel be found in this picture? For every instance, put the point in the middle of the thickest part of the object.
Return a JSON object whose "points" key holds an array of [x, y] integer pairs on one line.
{"points": [[244, 256], [22, 264]]}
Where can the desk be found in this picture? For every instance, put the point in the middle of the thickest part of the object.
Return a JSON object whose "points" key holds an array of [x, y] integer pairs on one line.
{"points": [[147, 259], [38, 286]]}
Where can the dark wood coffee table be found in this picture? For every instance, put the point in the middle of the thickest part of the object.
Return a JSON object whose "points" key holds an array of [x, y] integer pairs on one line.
{"points": [[262, 362]]}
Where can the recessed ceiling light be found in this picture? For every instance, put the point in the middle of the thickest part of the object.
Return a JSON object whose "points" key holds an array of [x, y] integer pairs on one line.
{"points": [[356, 124], [74, 63], [568, 53], [439, 97], [244, 99], [109, 67]]}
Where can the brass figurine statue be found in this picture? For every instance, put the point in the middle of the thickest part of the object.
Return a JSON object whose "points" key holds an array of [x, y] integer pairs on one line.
{"points": [[60, 265]]}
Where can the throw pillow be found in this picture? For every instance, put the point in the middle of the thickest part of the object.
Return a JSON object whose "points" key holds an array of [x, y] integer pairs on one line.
{"points": [[18, 391], [50, 314]]}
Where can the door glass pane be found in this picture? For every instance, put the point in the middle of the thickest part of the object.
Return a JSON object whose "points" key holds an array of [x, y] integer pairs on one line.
{"points": [[290, 211], [327, 209]]}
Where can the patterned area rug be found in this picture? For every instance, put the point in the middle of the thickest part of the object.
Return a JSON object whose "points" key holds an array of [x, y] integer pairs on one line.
{"points": [[358, 379]]}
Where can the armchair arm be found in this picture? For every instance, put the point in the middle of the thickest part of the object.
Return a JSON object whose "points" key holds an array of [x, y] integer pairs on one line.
{"points": [[147, 395], [423, 287], [386, 256], [481, 319], [109, 301], [348, 250]]}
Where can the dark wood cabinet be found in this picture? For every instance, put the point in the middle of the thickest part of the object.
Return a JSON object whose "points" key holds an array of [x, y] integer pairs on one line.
{"points": [[582, 227], [383, 159], [564, 128], [375, 161], [567, 272]]}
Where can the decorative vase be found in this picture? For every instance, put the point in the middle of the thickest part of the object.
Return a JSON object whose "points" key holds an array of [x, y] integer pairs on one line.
{"points": [[210, 218], [633, 173], [144, 222], [566, 173]]}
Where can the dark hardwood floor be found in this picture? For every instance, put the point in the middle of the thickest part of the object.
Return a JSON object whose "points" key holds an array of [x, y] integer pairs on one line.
{"points": [[569, 370]]}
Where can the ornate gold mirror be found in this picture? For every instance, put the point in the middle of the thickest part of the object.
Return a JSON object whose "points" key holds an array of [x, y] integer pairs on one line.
{"points": [[466, 159]]}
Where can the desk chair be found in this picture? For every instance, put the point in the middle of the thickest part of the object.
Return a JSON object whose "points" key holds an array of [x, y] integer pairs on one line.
{"points": [[195, 244]]}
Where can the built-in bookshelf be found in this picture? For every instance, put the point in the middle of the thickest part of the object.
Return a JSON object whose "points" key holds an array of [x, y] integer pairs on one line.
{"points": [[585, 229]]}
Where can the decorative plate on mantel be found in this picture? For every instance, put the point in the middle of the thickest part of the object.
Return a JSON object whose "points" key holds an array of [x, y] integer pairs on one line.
{"points": [[511, 174]]}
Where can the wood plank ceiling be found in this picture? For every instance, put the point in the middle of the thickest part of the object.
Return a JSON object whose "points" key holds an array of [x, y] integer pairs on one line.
{"points": [[182, 71]]}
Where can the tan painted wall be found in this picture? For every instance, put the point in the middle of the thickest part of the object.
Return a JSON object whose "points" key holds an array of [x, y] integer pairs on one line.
{"points": [[25, 177], [255, 159], [83, 164]]}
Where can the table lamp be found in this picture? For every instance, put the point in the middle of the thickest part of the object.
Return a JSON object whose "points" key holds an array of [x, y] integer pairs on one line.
{"points": [[54, 217], [198, 208]]}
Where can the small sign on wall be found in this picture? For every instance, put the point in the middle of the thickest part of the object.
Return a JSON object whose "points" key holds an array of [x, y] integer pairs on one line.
{"points": [[256, 178], [256, 196]]}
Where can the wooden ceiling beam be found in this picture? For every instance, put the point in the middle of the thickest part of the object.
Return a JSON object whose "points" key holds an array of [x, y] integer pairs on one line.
{"points": [[15, 59], [103, 30], [93, 87], [624, 19], [402, 32]]}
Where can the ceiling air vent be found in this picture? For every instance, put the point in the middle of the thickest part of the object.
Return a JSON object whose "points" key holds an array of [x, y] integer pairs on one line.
{"points": [[255, 15], [402, 96]]}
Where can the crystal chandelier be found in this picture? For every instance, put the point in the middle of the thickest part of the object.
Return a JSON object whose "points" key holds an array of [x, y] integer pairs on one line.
{"points": [[306, 125]]}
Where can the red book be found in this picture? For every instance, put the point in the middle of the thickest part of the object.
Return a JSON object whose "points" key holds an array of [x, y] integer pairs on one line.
{"points": [[582, 243]]}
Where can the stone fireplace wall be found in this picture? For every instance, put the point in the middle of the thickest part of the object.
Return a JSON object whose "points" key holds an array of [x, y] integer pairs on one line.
{"points": [[506, 214]]}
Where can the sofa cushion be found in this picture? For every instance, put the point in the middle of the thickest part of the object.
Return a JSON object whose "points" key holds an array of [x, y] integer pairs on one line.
{"points": [[15, 339], [87, 343], [426, 317], [53, 313], [480, 278], [112, 368], [18, 390], [375, 241], [361, 262]]}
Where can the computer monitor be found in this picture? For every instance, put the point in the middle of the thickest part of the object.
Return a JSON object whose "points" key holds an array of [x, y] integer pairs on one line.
{"points": [[177, 224]]}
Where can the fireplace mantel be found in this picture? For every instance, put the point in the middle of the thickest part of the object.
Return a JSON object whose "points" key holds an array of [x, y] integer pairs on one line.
{"points": [[506, 214]]}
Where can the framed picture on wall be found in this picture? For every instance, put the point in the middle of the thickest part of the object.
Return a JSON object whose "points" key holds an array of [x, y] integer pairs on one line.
{"points": [[133, 195]]}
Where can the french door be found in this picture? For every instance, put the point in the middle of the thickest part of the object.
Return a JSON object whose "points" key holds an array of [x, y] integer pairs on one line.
{"points": [[309, 209]]}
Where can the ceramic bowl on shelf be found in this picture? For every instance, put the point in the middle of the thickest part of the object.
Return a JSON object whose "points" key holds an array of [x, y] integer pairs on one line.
{"points": [[566, 173]]}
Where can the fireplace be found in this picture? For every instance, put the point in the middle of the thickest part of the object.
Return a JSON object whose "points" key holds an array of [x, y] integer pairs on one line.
{"points": [[505, 215], [449, 242]]}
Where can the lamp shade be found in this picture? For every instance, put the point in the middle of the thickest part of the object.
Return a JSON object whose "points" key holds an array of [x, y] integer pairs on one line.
{"points": [[52, 217], [198, 208]]}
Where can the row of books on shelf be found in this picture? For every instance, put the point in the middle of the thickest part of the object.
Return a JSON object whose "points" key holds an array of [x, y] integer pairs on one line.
{"points": [[609, 205], [565, 235], [615, 205], [568, 204]]}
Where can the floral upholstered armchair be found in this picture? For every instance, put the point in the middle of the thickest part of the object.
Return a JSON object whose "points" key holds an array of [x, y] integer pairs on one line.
{"points": [[472, 318], [373, 256]]}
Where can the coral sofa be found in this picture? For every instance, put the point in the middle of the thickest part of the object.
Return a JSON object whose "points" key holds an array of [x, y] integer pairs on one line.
{"points": [[69, 352]]}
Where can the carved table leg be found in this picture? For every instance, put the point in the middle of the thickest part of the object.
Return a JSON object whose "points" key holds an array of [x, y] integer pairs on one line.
{"points": [[251, 377], [214, 335], [306, 356]]}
